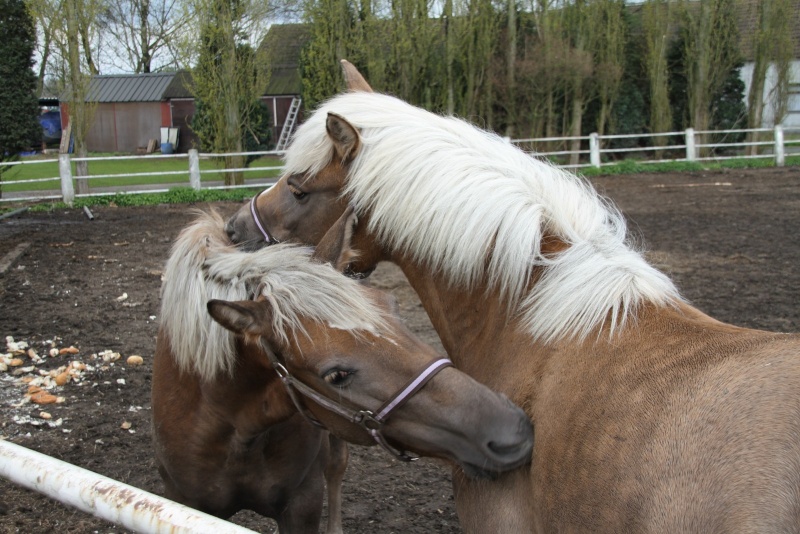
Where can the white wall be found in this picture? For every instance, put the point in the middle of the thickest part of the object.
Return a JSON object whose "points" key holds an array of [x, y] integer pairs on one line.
{"points": [[792, 119]]}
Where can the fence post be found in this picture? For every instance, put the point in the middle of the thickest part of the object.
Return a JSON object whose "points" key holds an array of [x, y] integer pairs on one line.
{"points": [[594, 150], [65, 171], [194, 169], [780, 156], [691, 153]]}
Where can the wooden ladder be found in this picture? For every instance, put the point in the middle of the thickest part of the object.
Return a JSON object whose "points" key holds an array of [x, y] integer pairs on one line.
{"points": [[288, 125]]}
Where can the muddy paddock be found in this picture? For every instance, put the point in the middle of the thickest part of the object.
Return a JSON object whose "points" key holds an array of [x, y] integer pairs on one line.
{"points": [[730, 239]]}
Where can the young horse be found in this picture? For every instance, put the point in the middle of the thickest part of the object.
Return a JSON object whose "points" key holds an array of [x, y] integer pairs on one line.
{"points": [[227, 429], [650, 415]]}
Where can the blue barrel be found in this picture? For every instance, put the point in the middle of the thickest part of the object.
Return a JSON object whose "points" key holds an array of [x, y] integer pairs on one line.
{"points": [[166, 148]]}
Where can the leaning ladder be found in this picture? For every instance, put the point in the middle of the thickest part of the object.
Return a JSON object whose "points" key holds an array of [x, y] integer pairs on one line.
{"points": [[288, 125]]}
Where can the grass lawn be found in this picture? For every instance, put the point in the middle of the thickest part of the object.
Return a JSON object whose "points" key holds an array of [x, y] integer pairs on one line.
{"points": [[268, 167]]}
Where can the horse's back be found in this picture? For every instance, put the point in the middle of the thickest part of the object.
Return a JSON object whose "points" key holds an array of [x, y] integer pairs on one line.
{"points": [[690, 426], [730, 449]]}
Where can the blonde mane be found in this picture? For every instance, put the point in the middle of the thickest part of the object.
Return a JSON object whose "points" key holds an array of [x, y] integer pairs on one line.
{"points": [[203, 265], [466, 203]]}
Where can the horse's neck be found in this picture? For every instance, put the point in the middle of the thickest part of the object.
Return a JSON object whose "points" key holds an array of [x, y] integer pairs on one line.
{"points": [[484, 338], [247, 402], [476, 327]]}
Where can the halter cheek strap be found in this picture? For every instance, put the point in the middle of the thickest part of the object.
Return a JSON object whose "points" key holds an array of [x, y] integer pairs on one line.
{"points": [[367, 419], [259, 223], [399, 400]]}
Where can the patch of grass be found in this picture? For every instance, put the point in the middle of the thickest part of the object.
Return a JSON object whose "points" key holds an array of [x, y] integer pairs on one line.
{"points": [[633, 166], [268, 167], [176, 195]]}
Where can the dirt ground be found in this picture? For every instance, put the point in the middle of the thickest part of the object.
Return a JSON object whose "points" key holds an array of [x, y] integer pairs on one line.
{"points": [[730, 239]]}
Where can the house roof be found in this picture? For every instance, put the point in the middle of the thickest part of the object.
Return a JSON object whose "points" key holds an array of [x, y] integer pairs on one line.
{"points": [[129, 87], [282, 45], [180, 86], [746, 15], [747, 18]]}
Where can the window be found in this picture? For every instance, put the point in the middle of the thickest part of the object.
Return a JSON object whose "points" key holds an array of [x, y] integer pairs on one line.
{"points": [[793, 105]]}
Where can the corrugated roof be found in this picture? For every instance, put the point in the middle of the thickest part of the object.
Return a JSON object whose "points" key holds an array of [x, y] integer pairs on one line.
{"points": [[129, 87]]}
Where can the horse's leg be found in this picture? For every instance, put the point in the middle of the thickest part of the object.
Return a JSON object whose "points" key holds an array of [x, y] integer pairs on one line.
{"points": [[501, 506], [303, 511], [334, 474]]}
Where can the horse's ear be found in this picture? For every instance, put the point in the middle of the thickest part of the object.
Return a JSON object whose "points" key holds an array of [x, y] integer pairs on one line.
{"points": [[344, 135], [245, 317], [354, 80], [334, 247]]}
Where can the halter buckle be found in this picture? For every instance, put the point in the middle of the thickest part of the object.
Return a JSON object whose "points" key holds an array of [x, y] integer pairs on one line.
{"points": [[366, 419]]}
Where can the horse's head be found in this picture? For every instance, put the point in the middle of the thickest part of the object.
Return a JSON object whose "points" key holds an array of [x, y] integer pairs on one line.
{"points": [[350, 380], [301, 207], [452, 416]]}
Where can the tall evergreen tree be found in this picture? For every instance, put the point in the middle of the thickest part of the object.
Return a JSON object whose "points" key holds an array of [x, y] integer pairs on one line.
{"points": [[19, 111]]}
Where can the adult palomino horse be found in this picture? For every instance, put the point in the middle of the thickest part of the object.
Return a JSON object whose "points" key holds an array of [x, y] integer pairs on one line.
{"points": [[228, 409], [650, 415]]}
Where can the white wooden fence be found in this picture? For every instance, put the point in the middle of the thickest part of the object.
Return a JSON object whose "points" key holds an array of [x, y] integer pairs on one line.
{"points": [[63, 185], [680, 146], [596, 151]]}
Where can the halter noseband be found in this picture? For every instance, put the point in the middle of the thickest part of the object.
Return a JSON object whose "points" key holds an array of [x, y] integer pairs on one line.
{"points": [[366, 419], [260, 223]]}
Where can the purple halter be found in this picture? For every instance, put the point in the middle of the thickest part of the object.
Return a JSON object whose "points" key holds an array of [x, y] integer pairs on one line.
{"points": [[367, 419], [259, 223]]}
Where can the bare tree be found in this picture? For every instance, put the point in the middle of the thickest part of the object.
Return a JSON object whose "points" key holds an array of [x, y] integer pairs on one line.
{"points": [[656, 19], [772, 46], [143, 31], [477, 50], [711, 45], [511, 65], [610, 34], [80, 111], [46, 13]]}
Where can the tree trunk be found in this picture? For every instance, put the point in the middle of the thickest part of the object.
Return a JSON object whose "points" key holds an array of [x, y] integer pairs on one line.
{"points": [[755, 103], [511, 61], [575, 126], [78, 111]]}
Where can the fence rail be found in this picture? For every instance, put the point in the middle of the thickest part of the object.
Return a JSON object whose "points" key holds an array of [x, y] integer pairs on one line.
{"points": [[688, 145], [592, 150]]}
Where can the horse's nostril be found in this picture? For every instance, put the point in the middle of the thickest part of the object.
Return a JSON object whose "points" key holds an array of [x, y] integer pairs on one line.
{"points": [[230, 229], [505, 450]]}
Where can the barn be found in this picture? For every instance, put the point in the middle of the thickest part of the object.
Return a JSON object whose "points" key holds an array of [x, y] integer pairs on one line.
{"points": [[131, 109]]}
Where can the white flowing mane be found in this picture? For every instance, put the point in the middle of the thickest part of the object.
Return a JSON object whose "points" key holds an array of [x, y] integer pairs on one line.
{"points": [[203, 265], [466, 203]]}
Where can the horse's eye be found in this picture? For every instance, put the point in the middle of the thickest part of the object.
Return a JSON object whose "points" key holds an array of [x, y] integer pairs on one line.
{"points": [[339, 377], [298, 194]]}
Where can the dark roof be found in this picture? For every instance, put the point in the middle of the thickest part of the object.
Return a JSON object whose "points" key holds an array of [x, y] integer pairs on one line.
{"points": [[746, 14], [129, 87], [180, 86], [747, 17], [282, 45]]}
